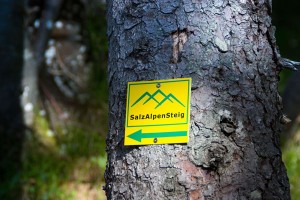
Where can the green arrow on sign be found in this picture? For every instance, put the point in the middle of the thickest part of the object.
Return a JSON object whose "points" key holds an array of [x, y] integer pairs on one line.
{"points": [[138, 135]]}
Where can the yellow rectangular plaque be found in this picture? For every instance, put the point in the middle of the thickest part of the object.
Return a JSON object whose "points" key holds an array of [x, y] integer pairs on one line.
{"points": [[158, 112]]}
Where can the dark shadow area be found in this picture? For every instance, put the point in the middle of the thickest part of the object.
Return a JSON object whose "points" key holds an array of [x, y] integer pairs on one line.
{"points": [[286, 18], [11, 118]]}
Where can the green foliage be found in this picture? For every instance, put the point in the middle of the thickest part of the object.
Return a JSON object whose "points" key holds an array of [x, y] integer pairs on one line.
{"points": [[284, 77], [291, 158], [56, 161]]}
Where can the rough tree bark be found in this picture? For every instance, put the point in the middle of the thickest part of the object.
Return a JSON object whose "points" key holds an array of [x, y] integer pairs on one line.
{"points": [[11, 118], [228, 48]]}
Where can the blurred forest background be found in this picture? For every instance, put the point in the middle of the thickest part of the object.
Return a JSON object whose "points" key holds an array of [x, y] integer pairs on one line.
{"points": [[286, 18], [64, 100]]}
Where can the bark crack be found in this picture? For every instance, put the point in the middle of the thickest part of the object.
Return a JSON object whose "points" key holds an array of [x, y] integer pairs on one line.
{"points": [[180, 37]]}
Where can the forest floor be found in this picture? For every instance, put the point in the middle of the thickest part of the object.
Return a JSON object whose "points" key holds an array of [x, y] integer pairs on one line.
{"points": [[65, 160]]}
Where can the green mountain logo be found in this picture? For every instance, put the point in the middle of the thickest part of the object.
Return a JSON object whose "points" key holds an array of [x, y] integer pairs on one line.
{"points": [[170, 97]]}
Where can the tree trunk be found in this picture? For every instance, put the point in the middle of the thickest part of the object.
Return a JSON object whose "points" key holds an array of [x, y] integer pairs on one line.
{"points": [[11, 118], [228, 49]]}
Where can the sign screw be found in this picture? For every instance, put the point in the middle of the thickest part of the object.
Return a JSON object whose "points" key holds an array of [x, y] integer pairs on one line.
{"points": [[155, 140], [158, 85]]}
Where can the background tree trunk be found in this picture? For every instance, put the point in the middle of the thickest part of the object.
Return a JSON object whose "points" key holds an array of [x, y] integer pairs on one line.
{"points": [[11, 119], [228, 48]]}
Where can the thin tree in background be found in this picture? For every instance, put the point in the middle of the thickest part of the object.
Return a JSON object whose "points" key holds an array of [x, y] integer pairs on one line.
{"points": [[11, 118], [229, 50]]}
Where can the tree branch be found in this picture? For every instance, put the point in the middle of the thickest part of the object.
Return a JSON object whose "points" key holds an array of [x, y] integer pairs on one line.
{"points": [[289, 64]]}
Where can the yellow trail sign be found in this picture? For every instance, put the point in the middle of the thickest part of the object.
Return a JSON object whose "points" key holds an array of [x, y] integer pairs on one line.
{"points": [[158, 112]]}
